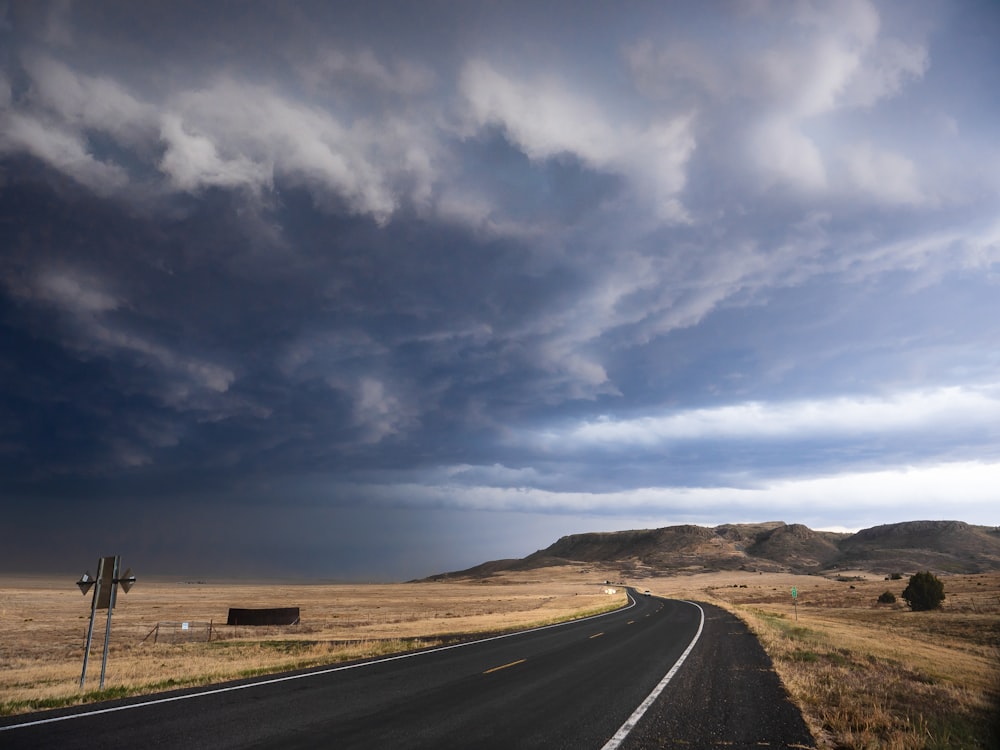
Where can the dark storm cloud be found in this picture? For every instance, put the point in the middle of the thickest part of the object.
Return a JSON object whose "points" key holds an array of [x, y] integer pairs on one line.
{"points": [[314, 273]]}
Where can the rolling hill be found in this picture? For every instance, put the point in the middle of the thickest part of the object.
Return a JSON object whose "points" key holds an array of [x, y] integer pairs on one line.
{"points": [[939, 546]]}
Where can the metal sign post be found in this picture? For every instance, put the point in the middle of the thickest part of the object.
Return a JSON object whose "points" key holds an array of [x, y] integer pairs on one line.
{"points": [[105, 595], [795, 602], [111, 608], [85, 583]]}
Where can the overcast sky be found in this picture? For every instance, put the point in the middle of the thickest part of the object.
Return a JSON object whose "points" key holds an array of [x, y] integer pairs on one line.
{"points": [[378, 290]]}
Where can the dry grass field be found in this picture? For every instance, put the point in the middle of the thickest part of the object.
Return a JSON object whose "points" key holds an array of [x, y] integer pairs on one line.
{"points": [[43, 625], [869, 675], [866, 675]]}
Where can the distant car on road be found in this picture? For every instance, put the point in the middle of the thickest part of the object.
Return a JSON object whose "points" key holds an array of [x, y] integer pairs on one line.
{"points": [[646, 592]]}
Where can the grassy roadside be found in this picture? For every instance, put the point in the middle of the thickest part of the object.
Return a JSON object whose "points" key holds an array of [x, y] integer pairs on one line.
{"points": [[869, 676], [211, 663], [142, 668]]}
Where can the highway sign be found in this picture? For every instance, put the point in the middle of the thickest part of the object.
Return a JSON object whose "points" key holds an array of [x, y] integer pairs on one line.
{"points": [[108, 580], [85, 583]]}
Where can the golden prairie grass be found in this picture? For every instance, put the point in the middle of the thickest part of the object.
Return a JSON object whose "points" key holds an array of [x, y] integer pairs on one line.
{"points": [[43, 626], [865, 675], [869, 675]]}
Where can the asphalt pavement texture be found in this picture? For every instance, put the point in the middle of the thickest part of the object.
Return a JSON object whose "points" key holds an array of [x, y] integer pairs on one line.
{"points": [[726, 694]]}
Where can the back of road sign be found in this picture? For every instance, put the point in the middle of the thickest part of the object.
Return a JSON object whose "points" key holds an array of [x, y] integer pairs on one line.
{"points": [[106, 581]]}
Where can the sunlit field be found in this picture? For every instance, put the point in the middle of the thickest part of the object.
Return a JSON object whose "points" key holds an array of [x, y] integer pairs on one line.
{"points": [[869, 675], [43, 625], [864, 674]]}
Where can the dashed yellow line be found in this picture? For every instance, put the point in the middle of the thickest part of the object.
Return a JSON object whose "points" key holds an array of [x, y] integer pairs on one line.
{"points": [[630, 622], [596, 635], [504, 666]]}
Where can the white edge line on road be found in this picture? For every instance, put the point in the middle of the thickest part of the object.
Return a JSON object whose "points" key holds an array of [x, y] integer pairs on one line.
{"points": [[629, 725], [304, 675]]}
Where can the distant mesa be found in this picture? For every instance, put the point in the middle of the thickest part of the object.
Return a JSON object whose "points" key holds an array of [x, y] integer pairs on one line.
{"points": [[939, 546]]}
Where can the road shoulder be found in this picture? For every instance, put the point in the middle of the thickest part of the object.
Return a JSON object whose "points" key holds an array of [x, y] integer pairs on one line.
{"points": [[726, 694]]}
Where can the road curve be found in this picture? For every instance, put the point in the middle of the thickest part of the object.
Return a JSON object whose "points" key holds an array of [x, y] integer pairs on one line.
{"points": [[567, 686]]}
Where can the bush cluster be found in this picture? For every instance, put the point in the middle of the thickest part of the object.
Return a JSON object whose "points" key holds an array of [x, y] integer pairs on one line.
{"points": [[924, 591]]}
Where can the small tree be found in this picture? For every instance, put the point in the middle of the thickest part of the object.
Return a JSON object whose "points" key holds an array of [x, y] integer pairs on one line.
{"points": [[887, 597], [924, 591]]}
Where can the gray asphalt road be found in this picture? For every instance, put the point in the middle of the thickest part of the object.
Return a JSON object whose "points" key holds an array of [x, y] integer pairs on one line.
{"points": [[569, 686]]}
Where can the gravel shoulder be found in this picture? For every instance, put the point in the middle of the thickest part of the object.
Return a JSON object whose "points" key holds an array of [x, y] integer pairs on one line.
{"points": [[726, 694]]}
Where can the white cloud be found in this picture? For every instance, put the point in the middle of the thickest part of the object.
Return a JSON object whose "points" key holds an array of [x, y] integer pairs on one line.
{"points": [[965, 490], [953, 408], [89, 102], [949, 490], [891, 64], [839, 57], [61, 148], [203, 374], [886, 176], [73, 292], [52, 122], [89, 305], [229, 134], [783, 152], [192, 161], [801, 81], [930, 255], [815, 60], [784, 81], [679, 69], [470, 207], [837, 61], [371, 164], [378, 412], [545, 119]]}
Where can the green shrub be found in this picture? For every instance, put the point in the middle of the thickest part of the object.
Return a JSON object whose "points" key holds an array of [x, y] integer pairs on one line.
{"points": [[924, 591], [896, 577], [887, 597]]}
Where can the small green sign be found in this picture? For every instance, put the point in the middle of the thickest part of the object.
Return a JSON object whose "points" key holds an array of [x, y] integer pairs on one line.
{"points": [[795, 593]]}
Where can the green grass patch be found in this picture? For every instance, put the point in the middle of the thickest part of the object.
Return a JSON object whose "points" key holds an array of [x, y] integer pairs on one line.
{"points": [[954, 727], [287, 647], [44, 704], [803, 656]]}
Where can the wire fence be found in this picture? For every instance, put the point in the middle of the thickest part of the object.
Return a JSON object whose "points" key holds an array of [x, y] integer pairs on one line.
{"points": [[181, 632]]}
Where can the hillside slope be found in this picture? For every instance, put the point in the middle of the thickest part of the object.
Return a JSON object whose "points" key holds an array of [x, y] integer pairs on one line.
{"points": [[945, 546], [939, 546]]}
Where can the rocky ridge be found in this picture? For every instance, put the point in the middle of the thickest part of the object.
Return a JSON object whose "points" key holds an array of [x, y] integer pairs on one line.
{"points": [[939, 546]]}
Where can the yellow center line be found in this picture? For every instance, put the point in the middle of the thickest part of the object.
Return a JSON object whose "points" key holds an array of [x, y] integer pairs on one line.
{"points": [[504, 666], [596, 635], [630, 622]]}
